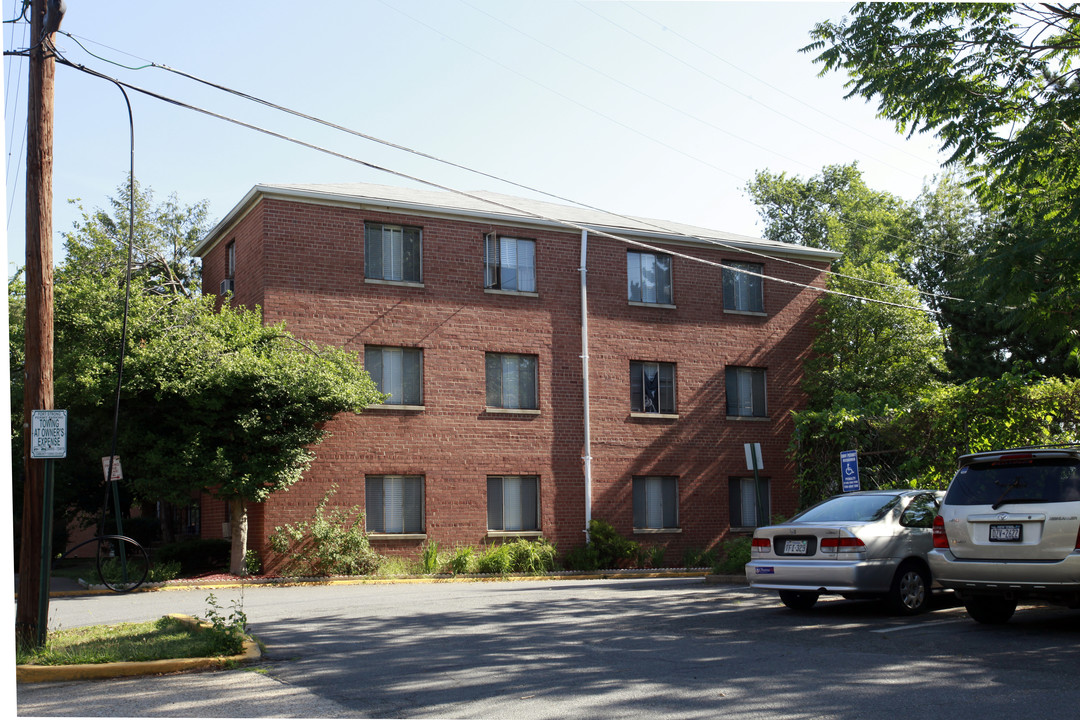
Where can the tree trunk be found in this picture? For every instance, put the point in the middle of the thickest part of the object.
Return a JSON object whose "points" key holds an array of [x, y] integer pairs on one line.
{"points": [[239, 520]]}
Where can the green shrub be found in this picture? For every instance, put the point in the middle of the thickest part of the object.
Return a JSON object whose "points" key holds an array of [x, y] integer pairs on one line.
{"points": [[736, 553], [227, 632], [495, 560], [606, 549], [694, 558], [532, 557], [461, 561], [333, 542], [656, 555], [195, 555], [252, 563], [429, 558]]}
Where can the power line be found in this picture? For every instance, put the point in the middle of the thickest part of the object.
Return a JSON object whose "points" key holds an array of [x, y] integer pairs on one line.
{"points": [[272, 133]]}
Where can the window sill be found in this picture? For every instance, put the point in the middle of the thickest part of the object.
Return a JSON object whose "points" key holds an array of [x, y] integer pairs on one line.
{"points": [[405, 408], [657, 531], [751, 313], [510, 411], [398, 283], [638, 303], [653, 416], [397, 536], [514, 534], [521, 293], [748, 418]]}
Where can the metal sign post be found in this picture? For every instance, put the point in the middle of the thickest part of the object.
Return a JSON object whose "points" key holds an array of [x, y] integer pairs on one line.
{"points": [[753, 462]]}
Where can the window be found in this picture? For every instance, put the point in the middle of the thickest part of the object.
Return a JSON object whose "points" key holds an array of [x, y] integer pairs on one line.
{"points": [[745, 392], [513, 503], [656, 503], [742, 291], [511, 381], [652, 387], [920, 512], [392, 252], [397, 372], [230, 260], [749, 502], [648, 277], [509, 264], [394, 504]]}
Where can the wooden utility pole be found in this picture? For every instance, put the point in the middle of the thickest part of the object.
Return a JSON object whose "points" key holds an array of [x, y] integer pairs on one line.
{"points": [[38, 391]]}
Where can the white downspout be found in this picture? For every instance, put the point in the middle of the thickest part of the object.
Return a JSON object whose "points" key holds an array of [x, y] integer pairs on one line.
{"points": [[586, 442]]}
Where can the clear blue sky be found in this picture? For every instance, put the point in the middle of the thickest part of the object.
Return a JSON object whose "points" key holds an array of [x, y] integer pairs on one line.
{"points": [[657, 109]]}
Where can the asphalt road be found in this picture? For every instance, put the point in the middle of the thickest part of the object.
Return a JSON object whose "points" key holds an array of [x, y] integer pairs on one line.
{"points": [[676, 648]]}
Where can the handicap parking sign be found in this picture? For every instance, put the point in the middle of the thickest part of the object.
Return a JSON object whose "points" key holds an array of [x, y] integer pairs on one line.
{"points": [[849, 470]]}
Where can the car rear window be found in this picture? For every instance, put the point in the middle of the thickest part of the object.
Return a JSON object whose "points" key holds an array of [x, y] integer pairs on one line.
{"points": [[850, 508], [1044, 480]]}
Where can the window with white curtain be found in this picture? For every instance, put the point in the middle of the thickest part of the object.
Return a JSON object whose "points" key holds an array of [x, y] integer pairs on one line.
{"points": [[509, 263], [394, 504], [513, 503], [656, 502], [392, 252], [743, 287], [511, 381], [749, 502], [397, 372], [746, 392], [648, 277]]}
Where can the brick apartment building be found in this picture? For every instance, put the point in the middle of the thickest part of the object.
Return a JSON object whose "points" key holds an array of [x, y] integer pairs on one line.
{"points": [[470, 314]]}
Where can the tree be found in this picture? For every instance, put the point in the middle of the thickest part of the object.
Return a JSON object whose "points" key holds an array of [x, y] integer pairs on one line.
{"points": [[871, 351], [999, 85], [212, 400]]}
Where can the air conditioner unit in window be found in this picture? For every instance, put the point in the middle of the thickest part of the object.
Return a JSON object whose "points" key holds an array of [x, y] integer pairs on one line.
{"points": [[226, 286]]}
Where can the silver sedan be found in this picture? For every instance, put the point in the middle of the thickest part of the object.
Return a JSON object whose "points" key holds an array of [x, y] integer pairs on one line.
{"points": [[860, 544]]}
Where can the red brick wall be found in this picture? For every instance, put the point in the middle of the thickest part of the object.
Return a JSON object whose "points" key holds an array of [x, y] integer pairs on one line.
{"points": [[310, 273]]}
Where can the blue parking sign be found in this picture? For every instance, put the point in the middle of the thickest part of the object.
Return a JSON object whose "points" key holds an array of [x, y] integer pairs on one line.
{"points": [[849, 471]]}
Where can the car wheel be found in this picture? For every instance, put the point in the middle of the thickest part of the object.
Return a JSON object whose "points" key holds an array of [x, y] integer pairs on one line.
{"points": [[910, 591], [990, 610], [797, 599]]}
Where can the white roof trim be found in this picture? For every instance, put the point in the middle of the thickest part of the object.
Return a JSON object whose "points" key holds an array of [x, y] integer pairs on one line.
{"points": [[500, 209]]}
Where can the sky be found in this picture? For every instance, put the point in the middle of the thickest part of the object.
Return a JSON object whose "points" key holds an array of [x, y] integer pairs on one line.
{"points": [[662, 110]]}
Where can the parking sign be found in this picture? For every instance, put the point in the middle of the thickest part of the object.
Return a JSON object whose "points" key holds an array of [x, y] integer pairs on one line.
{"points": [[849, 471]]}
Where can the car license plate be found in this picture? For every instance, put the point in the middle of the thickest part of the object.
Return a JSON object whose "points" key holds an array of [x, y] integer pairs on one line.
{"points": [[1006, 533], [794, 547]]}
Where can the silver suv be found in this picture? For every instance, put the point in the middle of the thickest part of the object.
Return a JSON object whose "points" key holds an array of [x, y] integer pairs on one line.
{"points": [[1009, 530]]}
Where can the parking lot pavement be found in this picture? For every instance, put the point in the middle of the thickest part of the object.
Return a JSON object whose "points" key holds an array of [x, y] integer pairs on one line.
{"points": [[227, 693]]}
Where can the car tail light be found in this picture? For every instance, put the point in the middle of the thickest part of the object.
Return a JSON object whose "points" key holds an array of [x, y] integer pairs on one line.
{"points": [[761, 545], [941, 539], [1078, 539], [842, 544]]}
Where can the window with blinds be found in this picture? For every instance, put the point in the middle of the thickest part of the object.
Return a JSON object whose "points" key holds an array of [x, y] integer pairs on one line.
{"points": [[743, 287], [648, 277], [394, 504], [392, 252], [509, 263], [745, 392], [510, 381], [513, 503], [656, 502], [397, 372], [749, 502]]}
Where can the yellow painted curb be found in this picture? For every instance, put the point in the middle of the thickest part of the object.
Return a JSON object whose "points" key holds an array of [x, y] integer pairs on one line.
{"points": [[56, 673]]}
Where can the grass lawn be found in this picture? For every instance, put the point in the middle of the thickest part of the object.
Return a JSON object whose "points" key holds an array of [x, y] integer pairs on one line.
{"points": [[163, 639]]}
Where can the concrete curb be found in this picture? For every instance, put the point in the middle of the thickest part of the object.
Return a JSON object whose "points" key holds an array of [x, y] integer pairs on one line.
{"points": [[57, 673]]}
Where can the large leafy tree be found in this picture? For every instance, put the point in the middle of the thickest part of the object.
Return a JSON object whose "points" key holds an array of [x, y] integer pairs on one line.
{"points": [[999, 85], [212, 400], [872, 348]]}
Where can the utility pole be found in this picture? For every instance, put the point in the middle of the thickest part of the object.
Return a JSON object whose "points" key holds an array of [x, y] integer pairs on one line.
{"points": [[38, 391]]}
